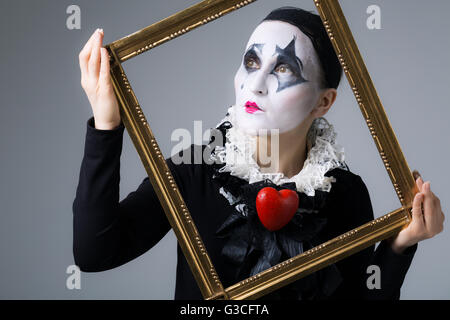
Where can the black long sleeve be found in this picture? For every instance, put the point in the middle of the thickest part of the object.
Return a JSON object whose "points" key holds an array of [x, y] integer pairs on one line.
{"points": [[356, 209], [108, 233]]}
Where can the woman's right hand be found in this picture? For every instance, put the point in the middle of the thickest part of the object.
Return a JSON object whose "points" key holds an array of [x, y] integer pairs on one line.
{"points": [[96, 82]]}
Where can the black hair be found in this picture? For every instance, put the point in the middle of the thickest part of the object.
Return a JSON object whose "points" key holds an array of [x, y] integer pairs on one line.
{"points": [[311, 25]]}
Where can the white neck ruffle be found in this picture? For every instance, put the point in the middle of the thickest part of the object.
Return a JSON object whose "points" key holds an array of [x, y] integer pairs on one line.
{"points": [[323, 155]]}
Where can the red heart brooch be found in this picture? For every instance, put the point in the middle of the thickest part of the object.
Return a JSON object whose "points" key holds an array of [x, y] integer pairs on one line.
{"points": [[276, 208]]}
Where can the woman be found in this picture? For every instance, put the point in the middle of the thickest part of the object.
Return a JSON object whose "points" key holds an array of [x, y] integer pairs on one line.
{"points": [[286, 82]]}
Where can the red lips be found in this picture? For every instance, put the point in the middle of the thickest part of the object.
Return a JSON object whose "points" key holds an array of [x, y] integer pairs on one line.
{"points": [[252, 107], [251, 104]]}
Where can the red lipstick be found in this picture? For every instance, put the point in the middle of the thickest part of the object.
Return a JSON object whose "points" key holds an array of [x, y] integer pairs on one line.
{"points": [[252, 107]]}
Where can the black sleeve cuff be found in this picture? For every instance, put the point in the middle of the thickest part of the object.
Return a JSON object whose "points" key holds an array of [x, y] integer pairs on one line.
{"points": [[406, 256], [91, 127], [103, 143], [393, 266]]}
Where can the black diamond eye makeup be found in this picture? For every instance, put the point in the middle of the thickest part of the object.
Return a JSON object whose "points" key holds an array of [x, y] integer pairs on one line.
{"points": [[287, 67], [292, 65]]}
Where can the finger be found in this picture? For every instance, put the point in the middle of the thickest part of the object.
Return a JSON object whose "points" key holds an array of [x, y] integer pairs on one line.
{"points": [[85, 53], [417, 215], [437, 218], [418, 179], [430, 215], [104, 67], [415, 174], [87, 46], [94, 60], [419, 182]]}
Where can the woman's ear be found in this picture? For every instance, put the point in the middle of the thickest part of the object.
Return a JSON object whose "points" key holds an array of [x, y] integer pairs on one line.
{"points": [[325, 101]]}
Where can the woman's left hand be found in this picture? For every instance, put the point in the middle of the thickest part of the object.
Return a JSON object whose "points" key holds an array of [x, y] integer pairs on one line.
{"points": [[425, 223]]}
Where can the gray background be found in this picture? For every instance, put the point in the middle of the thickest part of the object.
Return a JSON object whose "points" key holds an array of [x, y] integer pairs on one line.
{"points": [[44, 112]]}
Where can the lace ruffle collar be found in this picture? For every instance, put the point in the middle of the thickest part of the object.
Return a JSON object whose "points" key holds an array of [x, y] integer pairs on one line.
{"points": [[323, 155]]}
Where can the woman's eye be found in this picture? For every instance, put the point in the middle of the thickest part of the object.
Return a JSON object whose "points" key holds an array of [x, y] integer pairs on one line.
{"points": [[251, 63], [284, 69]]}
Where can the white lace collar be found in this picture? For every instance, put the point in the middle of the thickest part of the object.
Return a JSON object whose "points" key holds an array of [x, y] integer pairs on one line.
{"points": [[324, 155]]}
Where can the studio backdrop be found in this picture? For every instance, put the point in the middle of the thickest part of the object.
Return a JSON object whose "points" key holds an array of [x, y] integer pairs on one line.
{"points": [[187, 84]]}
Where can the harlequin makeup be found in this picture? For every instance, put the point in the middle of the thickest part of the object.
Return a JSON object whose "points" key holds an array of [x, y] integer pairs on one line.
{"points": [[277, 82]]}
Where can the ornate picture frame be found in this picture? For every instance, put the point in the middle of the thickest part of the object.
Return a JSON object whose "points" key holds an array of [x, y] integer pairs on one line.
{"points": [[170, 198]]}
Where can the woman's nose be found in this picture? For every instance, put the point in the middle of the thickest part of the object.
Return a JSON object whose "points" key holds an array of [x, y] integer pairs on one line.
{"points": [[258, 84]]}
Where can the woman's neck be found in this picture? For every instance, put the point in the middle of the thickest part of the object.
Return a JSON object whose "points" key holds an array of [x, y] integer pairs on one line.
{"points": [[292, 151]]}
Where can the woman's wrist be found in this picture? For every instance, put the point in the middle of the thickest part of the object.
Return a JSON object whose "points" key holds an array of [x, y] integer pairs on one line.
{"points": [[396, 247]]}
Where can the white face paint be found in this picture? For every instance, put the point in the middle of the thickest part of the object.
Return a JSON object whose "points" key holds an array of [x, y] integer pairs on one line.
{"points": [[279, 76]]}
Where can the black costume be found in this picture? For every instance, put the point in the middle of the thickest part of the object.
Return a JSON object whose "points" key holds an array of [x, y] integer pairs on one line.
{"points": [[109, 233]]}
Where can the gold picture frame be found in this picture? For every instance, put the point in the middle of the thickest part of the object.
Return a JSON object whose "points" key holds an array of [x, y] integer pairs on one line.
{"points": [[167, 190]]}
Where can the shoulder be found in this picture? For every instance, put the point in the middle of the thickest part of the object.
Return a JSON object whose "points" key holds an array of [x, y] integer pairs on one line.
{"points": [[346, 180], [350, 196], [190, 164], [188, 158]]}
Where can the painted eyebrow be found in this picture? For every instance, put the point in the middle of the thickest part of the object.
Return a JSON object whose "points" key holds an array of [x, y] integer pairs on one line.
{"points": [[287, 54], [251, 53], [283, 54], [251, 50]]}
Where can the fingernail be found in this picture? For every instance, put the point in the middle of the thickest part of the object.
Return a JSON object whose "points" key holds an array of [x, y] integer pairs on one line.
{"points": [[100, 30], [416, 174]]}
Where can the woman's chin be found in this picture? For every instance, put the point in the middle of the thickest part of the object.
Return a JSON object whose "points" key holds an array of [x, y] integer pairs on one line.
{"points": [[254, 131], [247, 124], [247, 130]]}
